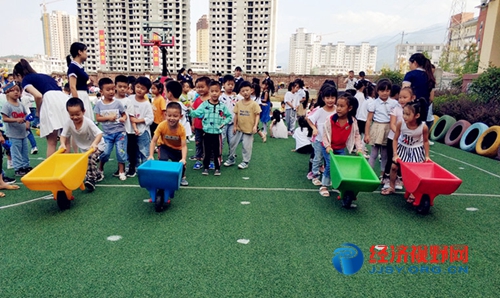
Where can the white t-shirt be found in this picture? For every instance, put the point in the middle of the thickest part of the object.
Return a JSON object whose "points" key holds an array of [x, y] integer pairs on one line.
{"points": [[85, 136], [319, 118], [360, 96], [229, 101], [362, 113], [430, 115], [350, 83], [143, 110], [398, 112], [301, 139], [289, 98], [129, 110], [298, 96]]}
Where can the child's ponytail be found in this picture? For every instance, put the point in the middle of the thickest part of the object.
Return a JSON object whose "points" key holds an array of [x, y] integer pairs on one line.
{"points": [[352, 102]]}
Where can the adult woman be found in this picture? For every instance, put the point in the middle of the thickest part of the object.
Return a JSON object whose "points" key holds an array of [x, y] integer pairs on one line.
{"points": [[49, 98], [78, 77], [421, 79]]}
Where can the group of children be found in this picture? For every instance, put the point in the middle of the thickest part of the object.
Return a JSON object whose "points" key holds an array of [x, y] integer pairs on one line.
{"points": [[389, 119]]}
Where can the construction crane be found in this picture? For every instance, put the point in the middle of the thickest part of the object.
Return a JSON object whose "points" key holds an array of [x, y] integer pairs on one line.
{"points": [[44, 4]]}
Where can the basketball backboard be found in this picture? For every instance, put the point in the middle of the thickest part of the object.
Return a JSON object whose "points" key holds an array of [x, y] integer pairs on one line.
{"points": [[157, 33]]}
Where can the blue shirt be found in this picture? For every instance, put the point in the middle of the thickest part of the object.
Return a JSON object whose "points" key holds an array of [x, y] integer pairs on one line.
{"points": [[41, 82], [418, 80], [76, 70], [106, 109]]}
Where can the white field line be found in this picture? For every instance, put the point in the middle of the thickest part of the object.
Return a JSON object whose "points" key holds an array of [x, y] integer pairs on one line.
{"points": [[468, 164], [242, 188]]}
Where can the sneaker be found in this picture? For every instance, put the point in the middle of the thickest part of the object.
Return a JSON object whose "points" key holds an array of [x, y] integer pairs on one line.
{"points": [[354, 206], [122, 176], [367, 156], [431, 143], [184, 182], [243, 165], [193, 157], [100, 177], [131, 174], [217, 173], [211, 166], [27, 169], [9, 180], [310, 176], [90, 185], [399, 184], [316, 182], [116, 174], [386, 185], [34, 150], [19, 173], [205, 172], [385, 181], [229, 162], [198, 165], [9, 164]]}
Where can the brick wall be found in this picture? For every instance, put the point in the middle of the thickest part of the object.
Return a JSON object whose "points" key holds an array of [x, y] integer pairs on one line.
{"points": [[311, 81]]}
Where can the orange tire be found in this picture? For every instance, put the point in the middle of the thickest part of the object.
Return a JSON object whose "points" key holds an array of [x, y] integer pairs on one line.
{"points": [[489, 142]]}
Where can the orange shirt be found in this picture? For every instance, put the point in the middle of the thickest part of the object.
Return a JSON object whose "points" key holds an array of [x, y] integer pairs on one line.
{"points": [[170, 137], [159, 106]]}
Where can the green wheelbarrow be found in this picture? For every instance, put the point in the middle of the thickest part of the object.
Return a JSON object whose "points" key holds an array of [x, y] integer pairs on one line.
{"points": [[350, 175]]}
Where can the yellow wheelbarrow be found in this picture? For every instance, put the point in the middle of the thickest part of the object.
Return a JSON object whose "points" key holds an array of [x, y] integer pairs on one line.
{"points": [[60, 174]]}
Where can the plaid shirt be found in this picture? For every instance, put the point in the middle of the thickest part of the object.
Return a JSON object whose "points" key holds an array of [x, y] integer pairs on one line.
{"points": [[214, 116]]}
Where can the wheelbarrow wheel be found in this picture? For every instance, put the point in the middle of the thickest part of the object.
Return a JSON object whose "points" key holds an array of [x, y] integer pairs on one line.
{"points": [[347, 199], [425, 205], [62, 200], [160, 200]]}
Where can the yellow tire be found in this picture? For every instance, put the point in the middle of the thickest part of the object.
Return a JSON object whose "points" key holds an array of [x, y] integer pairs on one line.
{"points": [[436, 118], [489, 142]]}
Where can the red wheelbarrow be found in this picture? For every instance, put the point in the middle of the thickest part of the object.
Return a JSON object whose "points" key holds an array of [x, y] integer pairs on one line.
{"points": [[425, 181]]}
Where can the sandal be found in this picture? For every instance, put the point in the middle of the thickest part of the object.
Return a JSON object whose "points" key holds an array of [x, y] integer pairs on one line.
{"points": [[387, 191], [411, 199], [323, 191], [2, 194]]}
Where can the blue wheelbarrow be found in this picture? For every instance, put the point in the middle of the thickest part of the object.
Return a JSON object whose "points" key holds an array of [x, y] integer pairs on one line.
{"points": [[161, 179]]}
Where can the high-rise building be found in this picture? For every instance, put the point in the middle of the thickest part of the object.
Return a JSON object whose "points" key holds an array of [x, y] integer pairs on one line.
{"points": [[309, 56], [59, 32], [242, 33], [202, 39], [404, 51], [461, 37], [112, 30]]}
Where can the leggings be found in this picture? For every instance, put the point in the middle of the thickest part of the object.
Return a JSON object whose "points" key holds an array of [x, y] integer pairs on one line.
{"points": [[374, 156]]}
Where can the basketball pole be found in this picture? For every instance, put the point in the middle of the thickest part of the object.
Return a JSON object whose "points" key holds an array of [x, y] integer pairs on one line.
{"points": [[164, 71]]}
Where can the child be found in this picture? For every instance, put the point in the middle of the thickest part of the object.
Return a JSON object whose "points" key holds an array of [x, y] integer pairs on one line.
{"points": [[215, 116], [289, 106], [377, 132], [316, 119], [174, 91], [87, 136], [121, 86], [404, 97], [265, 106], [350, 81], [143, 118], [302, 137], [229, 98], [340, 132], [78, 78], [246, 119], [171, 137], [278, 128], [27, 100], [413, 143], [203, 95], [159, 105], [186, 97], [13, 115], [238, 79], [5, 182], [282, 110], [112, 115]]}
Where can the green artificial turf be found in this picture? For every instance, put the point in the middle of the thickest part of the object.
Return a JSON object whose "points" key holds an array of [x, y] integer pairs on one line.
{"points": [[191, 250]]}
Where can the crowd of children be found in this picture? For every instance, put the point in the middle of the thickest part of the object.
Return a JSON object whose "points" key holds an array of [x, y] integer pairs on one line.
{"points": [[140, 118]]}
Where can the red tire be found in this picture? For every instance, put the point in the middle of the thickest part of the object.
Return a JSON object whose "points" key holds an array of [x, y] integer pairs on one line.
{"points": [[456, 132]]}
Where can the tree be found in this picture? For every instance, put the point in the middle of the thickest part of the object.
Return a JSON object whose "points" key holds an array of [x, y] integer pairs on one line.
{"points": [[395, 76]]}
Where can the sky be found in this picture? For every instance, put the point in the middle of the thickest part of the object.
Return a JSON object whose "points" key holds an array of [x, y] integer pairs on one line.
{"points": [[349, 21]]}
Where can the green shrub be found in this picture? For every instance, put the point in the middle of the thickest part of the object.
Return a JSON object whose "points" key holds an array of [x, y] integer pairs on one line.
{"points": [[395, 76], [463, 107], [487, 86]]}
